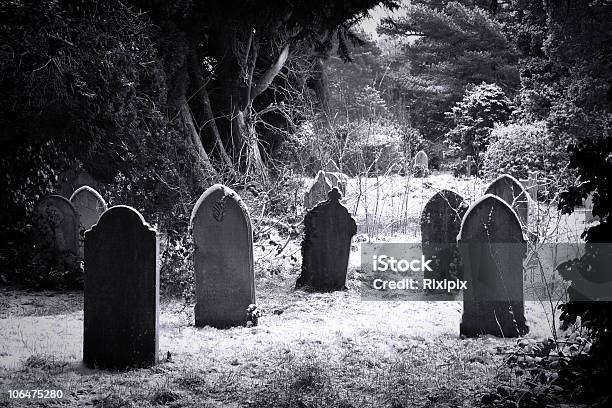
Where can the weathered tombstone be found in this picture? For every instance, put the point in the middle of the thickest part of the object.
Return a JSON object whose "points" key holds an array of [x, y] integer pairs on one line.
{"points": [[223, 258], [121, 308], [492, 250], [421, 160], [440, 224], [588, 210], [328, 229], [73, 178], [512, 192], [57, 224], [317, 191], [338, 180], [89, 205], [331, 166]]}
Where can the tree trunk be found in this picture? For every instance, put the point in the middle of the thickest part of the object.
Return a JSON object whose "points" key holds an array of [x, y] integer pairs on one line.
{"points": [[194, 136], [209, 124]]}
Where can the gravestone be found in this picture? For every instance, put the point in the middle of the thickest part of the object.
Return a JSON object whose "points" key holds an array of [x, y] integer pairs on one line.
{"points": [[328, 229], [588, 210], [440, 224], [74, 178], [57, 224], [532, 185], [89, 206], [223, 258], [338, 180], [469, 162], [121, 307], [331, 167], [317, 191], [421, 160], [492, 250], [512, 192]]}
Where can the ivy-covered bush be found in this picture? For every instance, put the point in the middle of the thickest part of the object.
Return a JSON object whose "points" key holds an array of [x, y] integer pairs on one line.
{"points": [[517, 149], [481, 108], [83, 82], [377, 147]]}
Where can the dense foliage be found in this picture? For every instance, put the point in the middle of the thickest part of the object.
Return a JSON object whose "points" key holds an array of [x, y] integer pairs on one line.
{"points": [[89, 88], [448, 47], [518, 149], [474, 117]]}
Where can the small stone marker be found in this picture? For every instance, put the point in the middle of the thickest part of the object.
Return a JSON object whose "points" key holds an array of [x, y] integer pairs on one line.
{"points": [[421, 160], [512, 192], [223, 258], [469, 162], [588, 210], [121, 308], [532, 185], [440, 224], [328, 230], [492, 250], [317, 191], [57, 223], [89, 205]]}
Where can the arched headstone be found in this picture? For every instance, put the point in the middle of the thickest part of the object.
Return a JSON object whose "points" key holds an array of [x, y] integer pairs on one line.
{"points": [[512, 192], [421, 160], [121, 307], [338, 180], [440, 224], [317, 191], [328, 230], [57, 224], [73, 178], [223, 258], [89, 206], [492, 250]]}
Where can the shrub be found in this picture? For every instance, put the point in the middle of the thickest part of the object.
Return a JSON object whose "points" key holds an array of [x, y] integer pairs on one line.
{"points": [[519, 148], [376, 147], [481, 108]]}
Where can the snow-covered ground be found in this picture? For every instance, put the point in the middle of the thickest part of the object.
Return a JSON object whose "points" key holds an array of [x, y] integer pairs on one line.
{"points": [[339, 331]]}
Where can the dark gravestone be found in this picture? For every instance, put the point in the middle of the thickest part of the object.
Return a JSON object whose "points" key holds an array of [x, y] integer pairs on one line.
{"points": [[492, 250], [89, 206], [512, 192], [57, 224], [317, 191], [121, 308], [440, 224], [223, 259], [327, 242]]}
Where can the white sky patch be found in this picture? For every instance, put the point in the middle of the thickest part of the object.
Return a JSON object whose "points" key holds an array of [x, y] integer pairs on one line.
{"points": [[378, 13]]}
